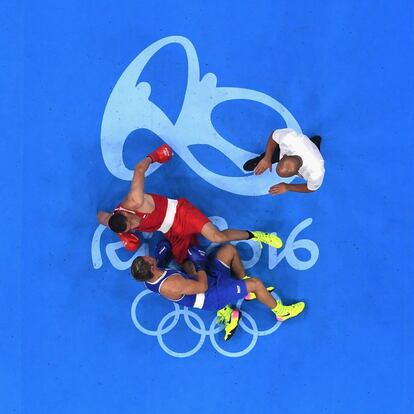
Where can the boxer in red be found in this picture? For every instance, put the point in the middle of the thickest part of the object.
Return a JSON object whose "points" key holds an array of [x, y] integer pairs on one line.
{"points": [[179, 220]]}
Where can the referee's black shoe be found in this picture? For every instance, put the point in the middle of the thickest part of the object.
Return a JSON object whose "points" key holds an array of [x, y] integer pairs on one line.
{"points": [[252, 164], [317, 141]]}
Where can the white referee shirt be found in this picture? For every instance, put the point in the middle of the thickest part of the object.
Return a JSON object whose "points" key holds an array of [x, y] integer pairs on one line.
{"points": [[294, 143]]}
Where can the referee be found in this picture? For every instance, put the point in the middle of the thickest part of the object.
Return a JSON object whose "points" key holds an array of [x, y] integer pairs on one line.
{"points": [[296, 155]]}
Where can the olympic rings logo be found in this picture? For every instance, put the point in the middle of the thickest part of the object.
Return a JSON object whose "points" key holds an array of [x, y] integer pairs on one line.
{"points": [[170, 320]]}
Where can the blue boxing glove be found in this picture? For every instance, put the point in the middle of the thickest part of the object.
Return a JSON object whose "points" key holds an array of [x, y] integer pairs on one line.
{"points": [[198, 257], [163, 253]]}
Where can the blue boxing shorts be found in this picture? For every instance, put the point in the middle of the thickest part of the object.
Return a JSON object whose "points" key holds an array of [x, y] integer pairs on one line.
{"points": [[223, 289]]}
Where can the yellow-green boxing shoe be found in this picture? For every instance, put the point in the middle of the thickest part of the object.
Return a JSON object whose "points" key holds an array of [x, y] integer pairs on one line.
{"points": [[267, 238], [230, 318]]}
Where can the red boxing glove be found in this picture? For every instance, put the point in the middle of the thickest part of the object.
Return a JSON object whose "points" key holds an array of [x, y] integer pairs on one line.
{"points": [[130, 241], [162, 154]]}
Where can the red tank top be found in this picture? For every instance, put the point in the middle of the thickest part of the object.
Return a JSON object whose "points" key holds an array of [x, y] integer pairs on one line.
{"points": [[150, 222]]}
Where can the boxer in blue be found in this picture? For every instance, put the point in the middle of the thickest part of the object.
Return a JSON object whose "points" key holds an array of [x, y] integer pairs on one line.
{"points": [[212, 284]]}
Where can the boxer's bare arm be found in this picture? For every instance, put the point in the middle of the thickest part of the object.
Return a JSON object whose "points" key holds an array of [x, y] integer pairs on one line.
{"points": [[176, 286], [135, 198]]}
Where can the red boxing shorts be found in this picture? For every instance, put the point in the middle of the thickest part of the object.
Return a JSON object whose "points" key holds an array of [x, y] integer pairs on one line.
{"points": [[188, 223]]}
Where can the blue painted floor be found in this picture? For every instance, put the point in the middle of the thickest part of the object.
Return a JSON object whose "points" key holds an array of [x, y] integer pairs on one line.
{"points": [[91, 87]]}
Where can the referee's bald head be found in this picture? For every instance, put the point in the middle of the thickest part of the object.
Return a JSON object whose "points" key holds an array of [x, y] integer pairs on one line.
{"points": [[289, 165]]}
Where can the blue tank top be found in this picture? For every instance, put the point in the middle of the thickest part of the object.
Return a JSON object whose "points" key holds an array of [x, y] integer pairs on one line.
{"points": [[191, 301]]}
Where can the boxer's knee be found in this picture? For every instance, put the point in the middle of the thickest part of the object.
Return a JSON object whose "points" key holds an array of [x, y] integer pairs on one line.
{"points": [[226, 254], [253, 284], [230, 250]]}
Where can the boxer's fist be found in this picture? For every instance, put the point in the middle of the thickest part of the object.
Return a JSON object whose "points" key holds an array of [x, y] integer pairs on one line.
{"points": [[163, 253], [198, 257], [162, 154], [130, 241]]}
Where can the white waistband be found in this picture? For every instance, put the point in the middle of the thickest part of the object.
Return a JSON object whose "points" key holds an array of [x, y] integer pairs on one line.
{"points": [[169, 216], [199, 301]]}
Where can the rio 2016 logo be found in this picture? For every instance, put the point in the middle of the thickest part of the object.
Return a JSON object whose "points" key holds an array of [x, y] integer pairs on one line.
{"points": [[128, 109]]}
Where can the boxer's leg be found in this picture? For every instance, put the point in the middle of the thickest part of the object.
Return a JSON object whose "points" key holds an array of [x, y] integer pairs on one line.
{"points": [[229, 255], [282, 312], [197, 222], [258, 288], [228, 290], [212, 233]]}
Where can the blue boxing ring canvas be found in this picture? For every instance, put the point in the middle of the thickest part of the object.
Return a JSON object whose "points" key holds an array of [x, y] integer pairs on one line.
{"points": [[99, 85]]}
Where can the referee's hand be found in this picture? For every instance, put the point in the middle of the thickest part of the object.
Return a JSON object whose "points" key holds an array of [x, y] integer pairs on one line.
{"points": [[278, 189], [263, 165]]}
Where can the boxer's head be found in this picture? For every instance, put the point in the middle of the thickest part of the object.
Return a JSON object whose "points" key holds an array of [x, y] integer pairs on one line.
{"points": [[143, 268], [288, 166], [118, 223]]}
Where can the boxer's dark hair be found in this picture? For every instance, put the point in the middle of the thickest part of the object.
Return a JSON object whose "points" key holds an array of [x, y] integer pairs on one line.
{"points": [[141, 270], [118, 223]]}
